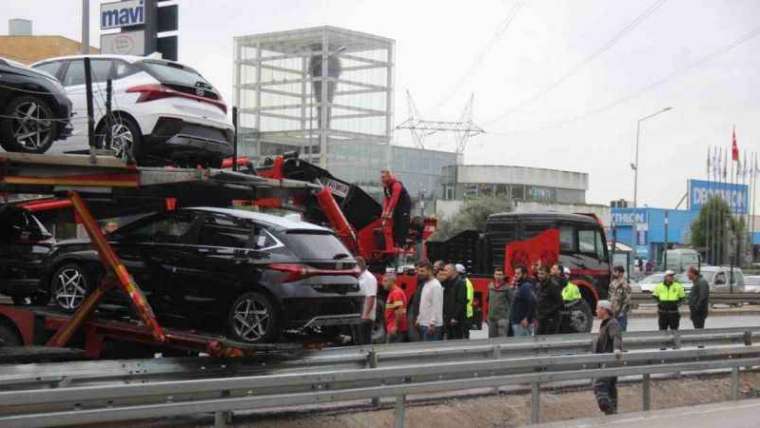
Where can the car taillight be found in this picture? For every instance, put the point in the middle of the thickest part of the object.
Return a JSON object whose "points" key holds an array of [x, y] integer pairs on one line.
{"points": [[154, 92], [297, 272]]}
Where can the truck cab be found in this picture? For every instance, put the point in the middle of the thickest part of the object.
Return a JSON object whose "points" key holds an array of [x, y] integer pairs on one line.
{"points": [[582, 249]]}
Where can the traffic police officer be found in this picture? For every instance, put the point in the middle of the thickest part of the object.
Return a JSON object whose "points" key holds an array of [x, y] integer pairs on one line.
{"points": [[570, 292], [669, 294], [571, 295]]}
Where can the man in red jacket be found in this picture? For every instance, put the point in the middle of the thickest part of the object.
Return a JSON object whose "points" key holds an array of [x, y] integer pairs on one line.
{"points": [[396, 208]]}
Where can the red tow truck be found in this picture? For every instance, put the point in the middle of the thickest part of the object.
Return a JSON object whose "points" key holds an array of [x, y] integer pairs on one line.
{"points": [[575, 240]]}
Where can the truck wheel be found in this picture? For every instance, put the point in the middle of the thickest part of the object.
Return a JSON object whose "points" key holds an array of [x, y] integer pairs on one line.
{"points": [[581, 318], [69, 286], [253, 318], [8, 336]]}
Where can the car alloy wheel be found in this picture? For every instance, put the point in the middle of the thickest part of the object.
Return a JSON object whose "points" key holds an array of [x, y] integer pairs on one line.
{"points": [[70, 287], [122, 141], [252, 317], [32, 126]]}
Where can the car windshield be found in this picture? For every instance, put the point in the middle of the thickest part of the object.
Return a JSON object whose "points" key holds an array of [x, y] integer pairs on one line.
{"points": [[175, 74], [315, 245]]}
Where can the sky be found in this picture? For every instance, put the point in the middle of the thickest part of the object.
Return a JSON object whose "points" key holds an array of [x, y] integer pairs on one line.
{"points": [[556, 83]]}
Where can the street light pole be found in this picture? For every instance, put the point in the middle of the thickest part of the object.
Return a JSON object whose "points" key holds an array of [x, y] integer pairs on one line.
{"points": [[635, 165], [85, 47]]}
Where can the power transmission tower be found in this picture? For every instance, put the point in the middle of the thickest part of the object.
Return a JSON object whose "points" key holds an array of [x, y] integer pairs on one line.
{"points": [[462, 129]]}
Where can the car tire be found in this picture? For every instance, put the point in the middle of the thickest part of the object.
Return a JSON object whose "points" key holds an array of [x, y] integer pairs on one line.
{"points": [[9, 336], [33, 128], [253, 318], [69, 286], [127, 139]]}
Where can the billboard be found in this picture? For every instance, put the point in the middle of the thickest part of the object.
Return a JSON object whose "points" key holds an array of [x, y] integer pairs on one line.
{"points": [[629, 217], [122, 14], [124, 43], [735, 195]]}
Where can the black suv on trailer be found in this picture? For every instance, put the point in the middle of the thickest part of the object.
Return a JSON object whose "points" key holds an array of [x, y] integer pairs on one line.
{"points": [[249, 274]]}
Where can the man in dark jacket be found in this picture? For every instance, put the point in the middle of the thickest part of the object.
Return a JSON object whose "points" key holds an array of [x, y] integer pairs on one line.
{"points": [[549, 302], [524, 305], [454, 303], [608, 341], [413, 311], [699, 298]]}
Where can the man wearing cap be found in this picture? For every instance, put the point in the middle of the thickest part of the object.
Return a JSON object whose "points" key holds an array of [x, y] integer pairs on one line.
{"points": [[608, 340], [454, 303], [669, 294], [462, 272]]}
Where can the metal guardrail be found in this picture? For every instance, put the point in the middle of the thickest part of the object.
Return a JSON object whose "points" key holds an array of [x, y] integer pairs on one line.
{"points": [[121, 403], [715, 298], [80, 373]]}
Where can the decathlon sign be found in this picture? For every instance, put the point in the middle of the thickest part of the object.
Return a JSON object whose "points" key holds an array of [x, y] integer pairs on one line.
{"points": [[122, 14], [735, 195], [629, 217]]}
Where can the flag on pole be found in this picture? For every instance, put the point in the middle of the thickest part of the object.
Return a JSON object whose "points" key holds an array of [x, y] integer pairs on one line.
{"points": [[725, 163], [734, 147]]}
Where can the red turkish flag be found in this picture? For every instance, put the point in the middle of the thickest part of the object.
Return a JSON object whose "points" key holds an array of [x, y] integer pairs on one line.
{"points": [[542, 249], [734, 148]]}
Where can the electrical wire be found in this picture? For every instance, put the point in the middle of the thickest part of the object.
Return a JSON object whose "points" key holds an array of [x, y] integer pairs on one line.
{"points": [[474, 68], [675, 74], [577, 67]]}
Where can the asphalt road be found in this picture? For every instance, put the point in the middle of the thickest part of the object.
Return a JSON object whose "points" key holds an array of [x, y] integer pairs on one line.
{"points": [[650, 323], [739, 414]]}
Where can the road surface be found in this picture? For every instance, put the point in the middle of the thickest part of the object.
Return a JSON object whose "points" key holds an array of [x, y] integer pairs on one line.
{"points": [[650, 323], [736, 414]]}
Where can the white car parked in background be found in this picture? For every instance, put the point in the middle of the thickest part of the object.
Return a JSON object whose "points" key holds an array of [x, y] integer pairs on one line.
{"points": [[163, 112]]}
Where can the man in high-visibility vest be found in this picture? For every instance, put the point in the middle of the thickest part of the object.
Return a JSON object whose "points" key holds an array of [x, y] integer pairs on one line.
{"points": [[571, 294], [470, 297], [669, 294]]}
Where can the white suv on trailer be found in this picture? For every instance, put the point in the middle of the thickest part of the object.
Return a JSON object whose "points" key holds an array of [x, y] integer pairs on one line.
{"points": [[163, 112]]}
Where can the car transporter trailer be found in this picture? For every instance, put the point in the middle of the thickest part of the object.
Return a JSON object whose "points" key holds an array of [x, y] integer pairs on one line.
{"points": [[82, 182]]}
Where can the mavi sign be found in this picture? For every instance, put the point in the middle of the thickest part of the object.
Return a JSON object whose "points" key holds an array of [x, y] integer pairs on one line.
{"points": [[122, 14]]}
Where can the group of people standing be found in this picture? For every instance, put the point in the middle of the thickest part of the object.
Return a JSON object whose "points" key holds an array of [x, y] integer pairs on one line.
{"points": [[541, 304], [440, 308]]}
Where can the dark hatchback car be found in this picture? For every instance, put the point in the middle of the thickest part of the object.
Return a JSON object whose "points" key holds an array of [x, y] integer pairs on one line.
{"points": [[24, 245], [247, 274], [34, 109]]}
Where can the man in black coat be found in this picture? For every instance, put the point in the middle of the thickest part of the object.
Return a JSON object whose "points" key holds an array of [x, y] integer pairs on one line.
{"points": [[699, 298], [549, 302], [609, 340], [454, 303]]}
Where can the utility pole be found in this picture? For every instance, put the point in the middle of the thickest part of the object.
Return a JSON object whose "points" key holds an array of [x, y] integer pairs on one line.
{"points": [[85, 47], [635, 165]]}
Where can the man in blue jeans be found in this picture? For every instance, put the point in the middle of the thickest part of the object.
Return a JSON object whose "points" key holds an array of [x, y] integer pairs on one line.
{"points": [[430, 316], [524, 305]]}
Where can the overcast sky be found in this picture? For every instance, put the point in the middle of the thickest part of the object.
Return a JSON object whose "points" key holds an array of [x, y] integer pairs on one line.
{"points": [[559, 85]]}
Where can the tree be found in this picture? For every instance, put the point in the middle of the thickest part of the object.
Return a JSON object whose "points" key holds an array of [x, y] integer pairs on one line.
{"points": [[717, 232], [472, 216]]}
